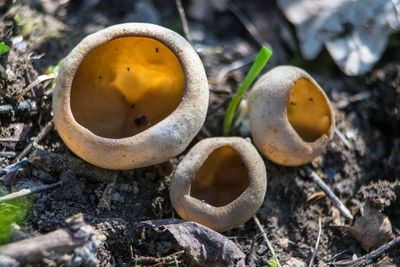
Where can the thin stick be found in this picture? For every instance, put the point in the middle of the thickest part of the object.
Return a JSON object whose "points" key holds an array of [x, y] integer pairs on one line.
{"points": [[61, 241], [40, 79], [249, 25], [372, 255], [27, 192], [343, 138], [234, 66], [261, 228], [249, 256], [45, 130], [147, 260], [317, 243], [8, 174], [24, 106], [185, 24], [336, 201], [14, 167], [7, 154]]}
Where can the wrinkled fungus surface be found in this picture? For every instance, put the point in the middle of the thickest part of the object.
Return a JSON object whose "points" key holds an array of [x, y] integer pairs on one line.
{"points": [[221, 179], [308, 111], [126, 86]]}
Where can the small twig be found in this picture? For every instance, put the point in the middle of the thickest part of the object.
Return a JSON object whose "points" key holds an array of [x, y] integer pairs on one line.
{"points": [[354, 98], [249, 25], [147, 260], [8, 174], [234, 66], [298, 245], [261, 228], [14, 167], [185, 24], [338, 255], [43, 132], [336, 201], [205, 131], [220, 92], [105, 200], [218, 107], [26, 106], [370, 256], [343, 138], [316, 244], [27, 192], [249, 256], [7, 154], [65, 240], [40, 79]]}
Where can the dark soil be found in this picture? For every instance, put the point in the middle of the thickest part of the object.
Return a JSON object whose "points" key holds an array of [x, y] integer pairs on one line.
{"points": [[364, 167]]}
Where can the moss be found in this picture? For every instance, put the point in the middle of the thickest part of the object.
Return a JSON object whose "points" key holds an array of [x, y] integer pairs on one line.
{"points": [[11, 213]]}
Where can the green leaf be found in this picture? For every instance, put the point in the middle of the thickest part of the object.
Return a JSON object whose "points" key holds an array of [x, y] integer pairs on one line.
{"points": [[3, 48], [262, 59], [272, 263]]}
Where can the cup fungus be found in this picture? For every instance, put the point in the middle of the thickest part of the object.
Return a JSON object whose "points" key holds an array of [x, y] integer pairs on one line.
{"points": [[291, 119], [220, 183], [131, 95]]}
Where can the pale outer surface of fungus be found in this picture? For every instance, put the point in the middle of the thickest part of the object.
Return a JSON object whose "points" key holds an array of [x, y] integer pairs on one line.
{"points": [[156, 144], [270, 128], [236, 212]]}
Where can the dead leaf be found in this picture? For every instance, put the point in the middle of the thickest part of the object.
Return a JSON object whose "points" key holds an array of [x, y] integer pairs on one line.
{"points": [[372, 229], [203, 246], [355, 32]]}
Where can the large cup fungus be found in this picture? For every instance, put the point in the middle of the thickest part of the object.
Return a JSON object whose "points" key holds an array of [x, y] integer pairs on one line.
{"points": [[220, 183], [291, 119], [131, 95]]}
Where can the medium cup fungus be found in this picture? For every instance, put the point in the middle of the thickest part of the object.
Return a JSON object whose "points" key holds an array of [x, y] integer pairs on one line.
{"points": [[220, 183], [131, 95], [291, 119]]}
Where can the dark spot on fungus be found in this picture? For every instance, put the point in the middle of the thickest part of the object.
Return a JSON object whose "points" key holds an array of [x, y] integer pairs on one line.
{"points": [[128, 69], [311, 99], [100, 77], [293, 103], [132, 106], [156, 49], [141, 121], [116, 49]]}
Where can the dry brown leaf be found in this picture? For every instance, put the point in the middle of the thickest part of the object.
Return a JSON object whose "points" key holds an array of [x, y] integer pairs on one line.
{"points": [[355, 32], [203, 246], [372, 229]]}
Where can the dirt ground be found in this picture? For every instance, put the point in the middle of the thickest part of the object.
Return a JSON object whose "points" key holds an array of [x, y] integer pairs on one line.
{"points": [[361, 166]]}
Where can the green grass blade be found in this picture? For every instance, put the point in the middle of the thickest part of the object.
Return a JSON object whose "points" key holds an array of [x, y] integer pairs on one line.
{"points": [[3, 48], [262, 59]]}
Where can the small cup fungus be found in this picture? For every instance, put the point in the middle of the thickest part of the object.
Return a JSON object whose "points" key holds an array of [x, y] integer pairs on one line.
{"points": [[130, 95], [220, 183], [291, 119]]}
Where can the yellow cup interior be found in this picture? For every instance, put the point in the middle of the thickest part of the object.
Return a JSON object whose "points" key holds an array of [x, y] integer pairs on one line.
{"points": [[221, 179], [308, 111], [125, 86]]}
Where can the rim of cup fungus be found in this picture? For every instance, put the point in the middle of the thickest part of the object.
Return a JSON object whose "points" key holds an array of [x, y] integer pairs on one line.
{"points": [[291, 118], [131, 95], [220, 183]]}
